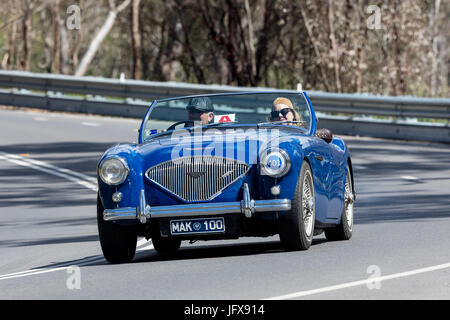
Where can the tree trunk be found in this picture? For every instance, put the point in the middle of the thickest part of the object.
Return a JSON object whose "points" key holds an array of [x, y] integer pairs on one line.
{"points": [[57, 38], [100, 36], [187, 43], [314, 42], [26, 37], [8, 57], [334, 48], [136, 40], [251, 40], [434, 14]]}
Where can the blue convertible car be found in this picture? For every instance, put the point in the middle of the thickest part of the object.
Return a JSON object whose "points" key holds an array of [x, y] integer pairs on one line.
{"points": [[224, 166]]}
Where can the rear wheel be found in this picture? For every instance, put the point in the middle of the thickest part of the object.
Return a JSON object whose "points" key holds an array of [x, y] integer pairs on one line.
{"points": [[344, 230], [118, 242], [296, 227]]}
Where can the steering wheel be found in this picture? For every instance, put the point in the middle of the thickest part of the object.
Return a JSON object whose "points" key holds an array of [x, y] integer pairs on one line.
{"points": [[190, 122]]}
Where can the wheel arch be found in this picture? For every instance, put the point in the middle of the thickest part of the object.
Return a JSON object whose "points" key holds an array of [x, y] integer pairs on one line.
{"points": [[350, 167]]}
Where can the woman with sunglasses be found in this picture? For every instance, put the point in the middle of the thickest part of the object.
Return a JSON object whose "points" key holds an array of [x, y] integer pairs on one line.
{"points": [[283, 110]]}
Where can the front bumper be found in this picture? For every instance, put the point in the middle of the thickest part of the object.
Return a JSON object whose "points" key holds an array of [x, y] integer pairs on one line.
{"points": [[247, 207]]}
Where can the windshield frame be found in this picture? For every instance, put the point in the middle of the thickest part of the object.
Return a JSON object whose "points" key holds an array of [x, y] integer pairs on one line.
{"points": [[310, 131]]}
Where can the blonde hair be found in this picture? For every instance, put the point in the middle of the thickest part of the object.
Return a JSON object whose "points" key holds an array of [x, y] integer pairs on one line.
{"points": [[287, 102]]}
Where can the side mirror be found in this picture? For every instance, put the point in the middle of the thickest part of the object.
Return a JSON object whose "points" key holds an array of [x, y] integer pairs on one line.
{"points": [[324, 134]]}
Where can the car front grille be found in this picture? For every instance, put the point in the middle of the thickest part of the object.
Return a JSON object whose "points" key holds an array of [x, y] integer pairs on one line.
{"points": [[197, 178]]}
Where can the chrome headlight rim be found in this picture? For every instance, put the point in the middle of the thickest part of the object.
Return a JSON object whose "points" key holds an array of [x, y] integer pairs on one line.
{"points": [[124, 175], [286, 163]]}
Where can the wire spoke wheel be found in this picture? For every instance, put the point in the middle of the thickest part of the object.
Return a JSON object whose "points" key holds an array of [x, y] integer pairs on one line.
{"points": [[344, 230], [296, 227], [348, 205], [308, 204]]}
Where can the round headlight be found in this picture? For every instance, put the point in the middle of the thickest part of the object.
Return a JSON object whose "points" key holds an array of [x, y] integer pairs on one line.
{"points": [[275, 163], [113, 171]]}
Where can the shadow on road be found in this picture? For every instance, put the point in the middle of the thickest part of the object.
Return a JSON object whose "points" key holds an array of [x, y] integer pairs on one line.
{"points": [[383, 192], [80, 157], [37, 242], [191, 253], [391, 158], [217, 251], [26, 186], [400, 206]]}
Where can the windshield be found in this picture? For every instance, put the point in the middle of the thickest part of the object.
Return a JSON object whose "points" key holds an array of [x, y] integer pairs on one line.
{"points": [[290, 109]]}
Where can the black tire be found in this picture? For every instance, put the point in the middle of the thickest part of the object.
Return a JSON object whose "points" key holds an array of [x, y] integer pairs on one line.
{"points": [[296, 232], [118, 242], [344, 230]]}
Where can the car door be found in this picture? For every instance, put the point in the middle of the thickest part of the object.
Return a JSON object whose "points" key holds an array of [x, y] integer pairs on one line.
{"points": [[322, 168], [336, 182]]}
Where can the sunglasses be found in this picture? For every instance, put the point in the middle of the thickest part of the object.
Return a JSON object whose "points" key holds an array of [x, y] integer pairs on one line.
{"points": [[284, 112]]}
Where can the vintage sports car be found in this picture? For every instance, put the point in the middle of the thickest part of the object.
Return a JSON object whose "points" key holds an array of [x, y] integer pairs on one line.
{"points": [[224, 166]]}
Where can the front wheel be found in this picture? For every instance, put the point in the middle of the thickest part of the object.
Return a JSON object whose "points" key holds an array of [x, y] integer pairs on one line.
{"points": [[296, 227], [344, 230], [118, 243]]}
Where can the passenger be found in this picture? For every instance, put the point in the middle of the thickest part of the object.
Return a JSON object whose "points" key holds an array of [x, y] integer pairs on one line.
{"points": [[283, 110], [200, 109]]}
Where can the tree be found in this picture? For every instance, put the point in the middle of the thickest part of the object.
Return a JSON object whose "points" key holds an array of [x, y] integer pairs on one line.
{"points": [[100, 36], [136, 40]]}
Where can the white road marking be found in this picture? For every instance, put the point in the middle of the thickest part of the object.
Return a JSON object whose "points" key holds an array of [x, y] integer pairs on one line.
{"points": [[90, 124], [30, 273], [411, 178], [142, 245], [40, 119], [79, 178], [360, 282]]}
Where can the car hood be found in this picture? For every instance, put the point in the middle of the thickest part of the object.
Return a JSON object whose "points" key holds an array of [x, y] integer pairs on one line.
{"points": [[242, 145]]}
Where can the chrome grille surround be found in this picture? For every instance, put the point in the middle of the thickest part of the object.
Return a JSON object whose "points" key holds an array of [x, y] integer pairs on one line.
{"points": [[197, 178]]}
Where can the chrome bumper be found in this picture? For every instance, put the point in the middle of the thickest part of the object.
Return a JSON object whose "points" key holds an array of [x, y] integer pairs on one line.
{"points": [[247, 207]]}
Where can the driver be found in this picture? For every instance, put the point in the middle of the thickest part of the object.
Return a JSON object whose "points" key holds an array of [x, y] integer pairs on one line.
{"points": [[200, 109]]}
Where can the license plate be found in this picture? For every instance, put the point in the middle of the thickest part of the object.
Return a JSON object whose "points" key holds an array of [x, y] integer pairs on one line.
{"points": [[195, 226]]}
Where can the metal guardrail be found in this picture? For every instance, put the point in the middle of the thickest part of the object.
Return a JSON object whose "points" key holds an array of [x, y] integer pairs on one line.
{"points": [[355, 114]]}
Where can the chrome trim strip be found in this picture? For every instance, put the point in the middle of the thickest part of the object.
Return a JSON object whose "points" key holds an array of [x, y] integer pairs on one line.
{"points": [[272, 205], [119, 214], [247, 206], [199, 209], [193, 210]]}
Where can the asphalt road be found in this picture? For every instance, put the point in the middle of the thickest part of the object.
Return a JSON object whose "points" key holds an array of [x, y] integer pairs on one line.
{"points": [[49, 244]]}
